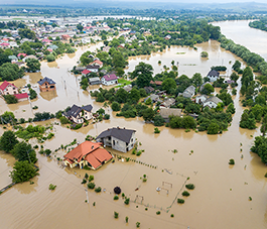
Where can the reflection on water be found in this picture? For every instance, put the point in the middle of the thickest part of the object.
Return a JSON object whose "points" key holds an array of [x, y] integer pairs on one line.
{"points": [[48, 95]]}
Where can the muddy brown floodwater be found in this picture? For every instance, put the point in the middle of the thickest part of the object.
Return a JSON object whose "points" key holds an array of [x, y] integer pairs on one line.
{"points": [[221, 197]]}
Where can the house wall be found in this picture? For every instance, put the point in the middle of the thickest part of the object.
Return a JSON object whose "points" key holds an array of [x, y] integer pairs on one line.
{"points": [[10, 90], [77, 120], [210, 104], [213, 78], [200, 99], [88, 115], [121, 145], [92, 70], [47, 87], [111, 82]]}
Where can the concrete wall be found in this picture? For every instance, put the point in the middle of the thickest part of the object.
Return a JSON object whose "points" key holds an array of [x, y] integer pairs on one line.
{"points": [[47, 87]]}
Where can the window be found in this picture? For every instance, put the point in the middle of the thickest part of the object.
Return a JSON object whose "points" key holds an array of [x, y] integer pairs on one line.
{"points": [[114, 142]]}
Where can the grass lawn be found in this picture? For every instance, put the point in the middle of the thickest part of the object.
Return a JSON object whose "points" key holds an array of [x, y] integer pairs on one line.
{"points": [[123, 82]]}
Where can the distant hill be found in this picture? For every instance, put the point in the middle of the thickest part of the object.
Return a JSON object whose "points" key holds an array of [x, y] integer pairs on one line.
{"points": [[155, 4]]}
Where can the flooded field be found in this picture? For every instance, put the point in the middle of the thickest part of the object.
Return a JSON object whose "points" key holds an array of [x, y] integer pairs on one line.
{"points": [[220, 199]]}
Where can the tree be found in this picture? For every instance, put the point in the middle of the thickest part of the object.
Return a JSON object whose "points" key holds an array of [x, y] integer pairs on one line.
{"points": [[158, 120], [63, 120], [50, 58], [148, 114], [4, 59], [8, 141], [8, 117], [10, 99], [207, 89], [204, 54], [231, 108], [121, 96], [80, 27], [118, 60], [142, 92], [189, 122], [115, 106], [169, 84], [226, 98], [175, 122], [27, 33], [213, 128], [234, 76], [197, 79], [248, 120], [148, 101], [143, 72], [24, 152], [23, 171], [134, 95], [260, 148], [33, 65], [10, 72]]}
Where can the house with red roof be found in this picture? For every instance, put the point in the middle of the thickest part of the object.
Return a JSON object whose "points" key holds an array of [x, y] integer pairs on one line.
{"points": [[109, 79], [7, 88], [87, 154], [97, 62], [85, 72], [4, 45], [21, 55], [46, 41], [65, 37]]}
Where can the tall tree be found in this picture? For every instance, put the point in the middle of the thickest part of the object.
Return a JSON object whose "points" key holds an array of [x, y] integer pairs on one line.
{"points": [[8, 141]]}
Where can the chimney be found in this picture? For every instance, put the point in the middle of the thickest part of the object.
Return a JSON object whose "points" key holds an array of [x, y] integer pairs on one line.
{"points": [[118, 127], [92, 147]]}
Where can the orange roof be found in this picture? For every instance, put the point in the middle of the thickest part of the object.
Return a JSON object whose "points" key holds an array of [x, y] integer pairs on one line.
{"points": [[90, 152], [97, 62]]}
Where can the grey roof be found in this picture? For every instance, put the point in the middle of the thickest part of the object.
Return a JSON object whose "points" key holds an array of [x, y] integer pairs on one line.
{"points": [[213, 73], [189, 92], [119, 133], [75, 110], [168, 102], [92, 67], [213, 99], [87, 108], [94, 79], [42, 81], [166, 112]]}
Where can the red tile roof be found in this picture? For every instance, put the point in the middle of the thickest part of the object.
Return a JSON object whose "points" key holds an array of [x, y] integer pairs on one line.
{"points": [[156, 82], [21, 96], [97, 62], [65, 36], [5, 84], [22, 54], [85, 72], [4, 44], [89, 151]]}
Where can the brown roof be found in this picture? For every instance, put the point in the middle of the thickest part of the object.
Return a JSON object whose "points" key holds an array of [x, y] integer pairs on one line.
{"points": [[89, 151], [166, 112], [159, 83]]}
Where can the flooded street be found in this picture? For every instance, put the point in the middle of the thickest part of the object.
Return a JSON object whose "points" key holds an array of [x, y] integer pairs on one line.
{"points": [[220, 199]]}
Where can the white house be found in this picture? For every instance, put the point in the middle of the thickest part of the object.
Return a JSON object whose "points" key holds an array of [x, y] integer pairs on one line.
{"points": [[201, 99], [109, 79], [120, 139], [7, 88], [78, 114], [213, 75], [212, 102]]}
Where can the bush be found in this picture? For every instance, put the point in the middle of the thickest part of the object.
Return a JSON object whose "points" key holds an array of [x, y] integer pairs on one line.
{"points": [[172, 215], [156, 130], [265, 175], [127, 201], [190, 186], [91, 177], [50, 135], [116, 106], [204, 54], [158, 212], [84, 181], [180, 201], [10, 99], [98, 189], [106, 116], [91, 185], [50, 58], [63, 120], [52, 187], [116, 215], [116, 197], [185, 193], [231, 162], [22, 171], [158, 120]]}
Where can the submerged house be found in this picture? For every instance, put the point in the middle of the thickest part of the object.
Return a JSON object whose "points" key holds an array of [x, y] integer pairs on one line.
{"points": [[166, 112], [120, 139], [213, 75], [109, 79], [168, 103], [78, 114], [87, 154], [212, 102], [46, 84], [7, 88]]}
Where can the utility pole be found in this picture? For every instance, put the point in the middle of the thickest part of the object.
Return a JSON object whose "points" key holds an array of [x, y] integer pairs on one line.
{"points": [[87, 195]]}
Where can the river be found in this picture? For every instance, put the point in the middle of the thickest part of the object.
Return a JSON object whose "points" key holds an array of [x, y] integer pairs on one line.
{"points": [[221, 197]]}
